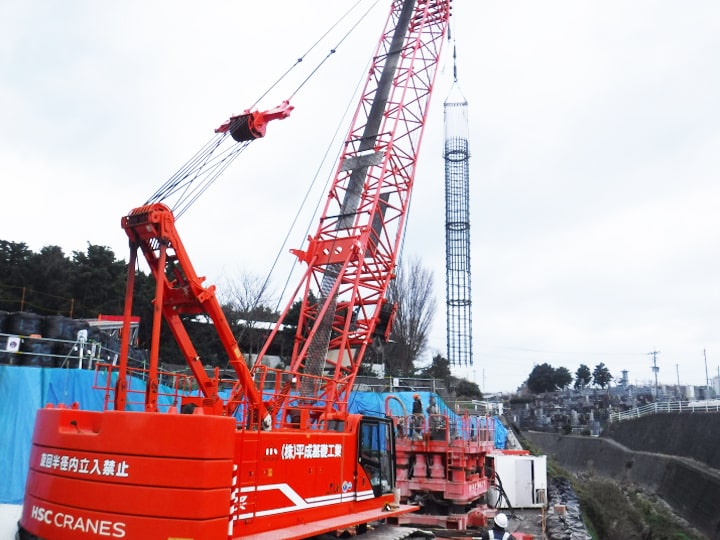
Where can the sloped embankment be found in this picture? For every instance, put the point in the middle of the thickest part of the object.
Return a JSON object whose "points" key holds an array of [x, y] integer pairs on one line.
{"points": [[641, 451]]}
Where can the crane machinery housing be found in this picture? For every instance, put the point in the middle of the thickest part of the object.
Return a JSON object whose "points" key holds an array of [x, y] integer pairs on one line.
{"points": [[270, 453]]}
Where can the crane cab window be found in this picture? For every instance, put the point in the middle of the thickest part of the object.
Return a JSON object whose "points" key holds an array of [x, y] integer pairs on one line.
{"points": [[377, 454]]}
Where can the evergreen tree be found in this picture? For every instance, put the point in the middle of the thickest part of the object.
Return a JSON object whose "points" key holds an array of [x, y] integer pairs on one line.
{"points": [[49, 272], [541, 379], [98, 282], [602, 376], [583, 376], [562, 377], [14, 274], [438, 369], [465, 389]]}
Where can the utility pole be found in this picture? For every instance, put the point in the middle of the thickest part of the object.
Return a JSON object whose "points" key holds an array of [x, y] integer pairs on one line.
{"points": [[655, 370]]}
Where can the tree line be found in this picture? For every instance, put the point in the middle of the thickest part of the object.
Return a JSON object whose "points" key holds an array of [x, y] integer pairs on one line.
{"points": [[49, 282], [86, 284], [81, 285], [545, 378]]}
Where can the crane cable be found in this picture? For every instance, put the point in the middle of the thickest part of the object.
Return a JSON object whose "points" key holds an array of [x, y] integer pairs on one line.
{"points": [[302, 204], [317, 43], [340, 125], [201, 171], [202, 164]]}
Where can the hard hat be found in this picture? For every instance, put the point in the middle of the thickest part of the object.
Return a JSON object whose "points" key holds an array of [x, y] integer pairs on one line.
{"points": [[416, 396], [501, 521]]}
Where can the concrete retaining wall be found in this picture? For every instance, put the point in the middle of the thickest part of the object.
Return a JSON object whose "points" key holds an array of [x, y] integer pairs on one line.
{"points": [[691, 488], [694, 435]]}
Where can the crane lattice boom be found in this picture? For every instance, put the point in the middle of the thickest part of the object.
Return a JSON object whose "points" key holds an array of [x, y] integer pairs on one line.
{"points": [[351, 258]]}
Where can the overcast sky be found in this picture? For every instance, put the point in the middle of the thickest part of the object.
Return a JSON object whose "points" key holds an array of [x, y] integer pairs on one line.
{"points": [[595, 153]]}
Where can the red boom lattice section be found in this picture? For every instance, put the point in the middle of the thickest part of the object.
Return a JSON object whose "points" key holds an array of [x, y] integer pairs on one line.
{"points": [[352, 256]]}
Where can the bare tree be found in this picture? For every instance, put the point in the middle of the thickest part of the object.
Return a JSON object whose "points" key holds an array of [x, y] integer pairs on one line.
{"points": [[248, 295], [248, 301], [412, 291]]}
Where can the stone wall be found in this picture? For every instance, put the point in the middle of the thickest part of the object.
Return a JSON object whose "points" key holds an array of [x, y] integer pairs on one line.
{"points": [[691, 488]]}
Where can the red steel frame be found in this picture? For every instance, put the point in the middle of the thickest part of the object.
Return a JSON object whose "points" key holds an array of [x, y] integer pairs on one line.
{"points": [[179, 291]]}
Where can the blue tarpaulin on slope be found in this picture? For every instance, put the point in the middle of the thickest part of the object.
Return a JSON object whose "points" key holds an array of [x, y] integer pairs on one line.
{"points": [[24, 390]]}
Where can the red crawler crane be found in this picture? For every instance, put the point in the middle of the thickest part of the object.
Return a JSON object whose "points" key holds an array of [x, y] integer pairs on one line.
{"points": [[275, 453]]}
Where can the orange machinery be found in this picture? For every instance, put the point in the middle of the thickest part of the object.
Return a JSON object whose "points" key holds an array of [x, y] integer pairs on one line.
{"points": [[272, 453]]}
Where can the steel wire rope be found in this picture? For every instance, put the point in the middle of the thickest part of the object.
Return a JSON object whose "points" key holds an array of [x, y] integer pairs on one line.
{"points": [[343, 118], [173, 183], [313, 46], [184, 181], [214, 171], [201, 164], [300, 86], [334, 49], [313, 217], [328, 148]]}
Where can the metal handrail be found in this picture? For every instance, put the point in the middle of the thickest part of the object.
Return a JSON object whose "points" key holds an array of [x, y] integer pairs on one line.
{"points": [[664, 407]]}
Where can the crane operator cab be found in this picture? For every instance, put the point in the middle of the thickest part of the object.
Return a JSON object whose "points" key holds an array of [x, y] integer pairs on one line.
{"points": [[377, 453]]}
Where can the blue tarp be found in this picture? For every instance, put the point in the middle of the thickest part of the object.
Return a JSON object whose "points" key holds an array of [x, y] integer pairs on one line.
{"points": [[24, 390]]}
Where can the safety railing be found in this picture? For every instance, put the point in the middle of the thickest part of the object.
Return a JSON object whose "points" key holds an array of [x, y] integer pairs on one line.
{"points": [[37, 351], [172, 387], [279, 391], [665, 407], [299, 399], [445, 427]]}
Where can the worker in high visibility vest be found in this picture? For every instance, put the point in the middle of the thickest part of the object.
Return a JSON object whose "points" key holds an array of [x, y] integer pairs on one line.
{"points": [[498, 532]]}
